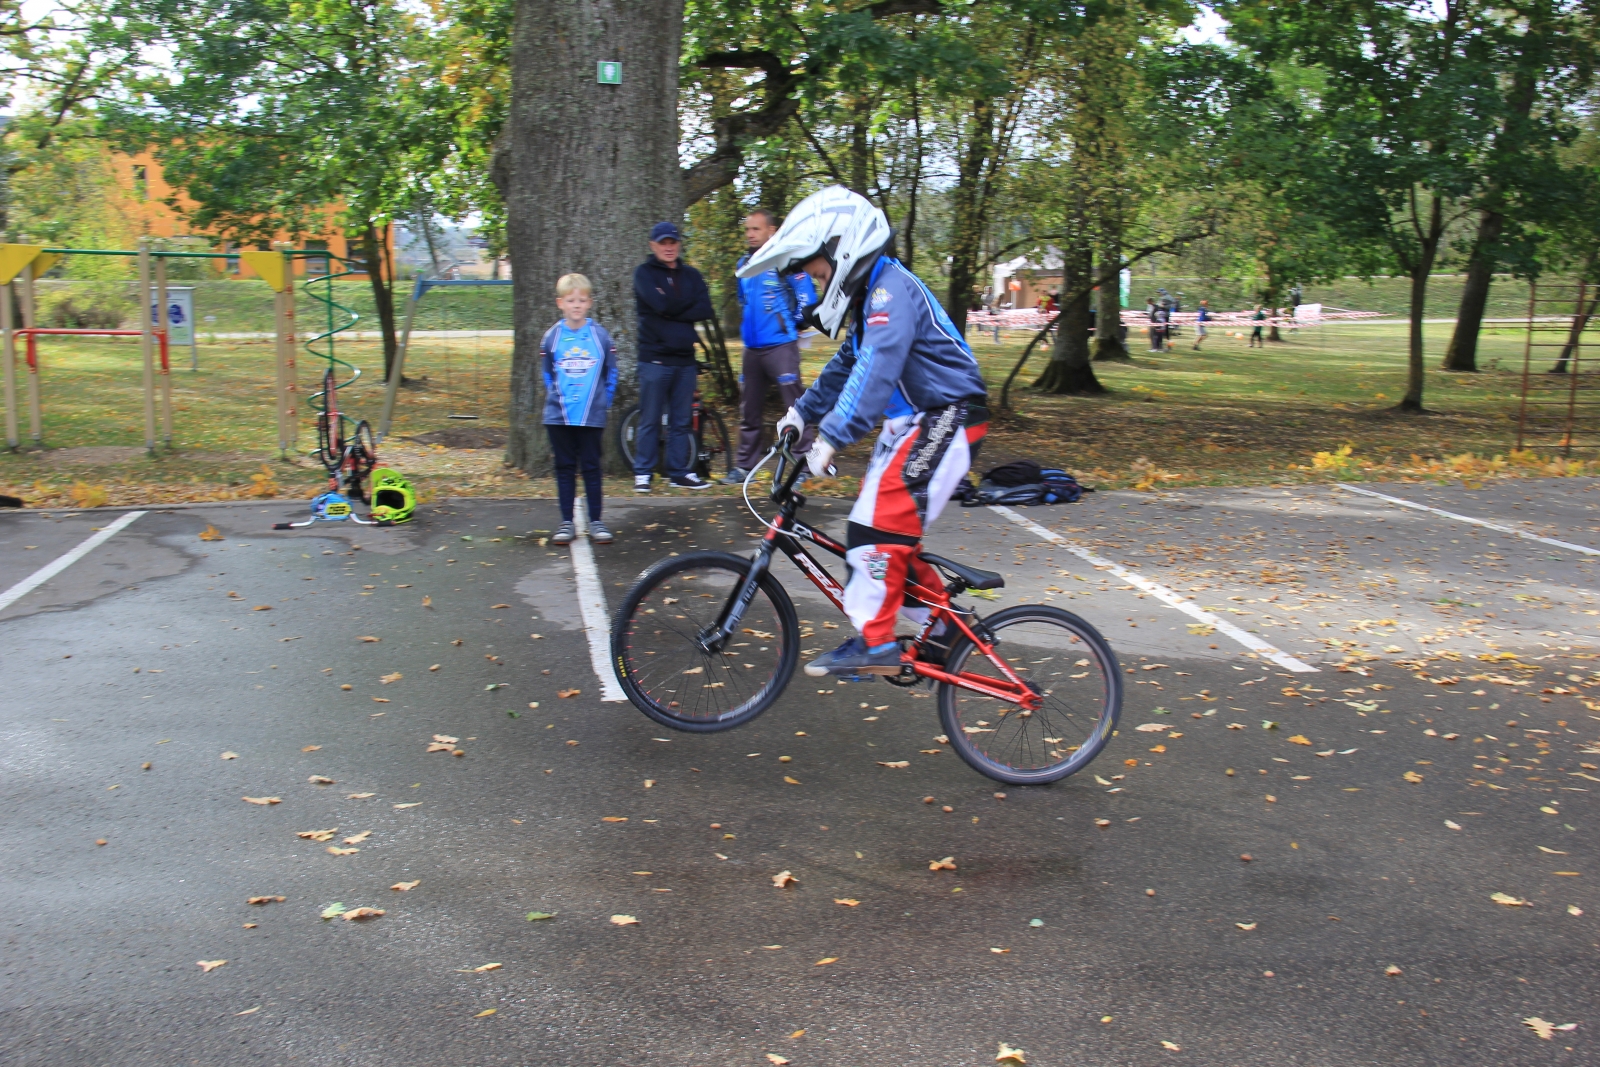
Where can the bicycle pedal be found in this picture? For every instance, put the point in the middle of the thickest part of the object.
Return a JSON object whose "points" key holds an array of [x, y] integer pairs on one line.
{"points": [[855, 677]]}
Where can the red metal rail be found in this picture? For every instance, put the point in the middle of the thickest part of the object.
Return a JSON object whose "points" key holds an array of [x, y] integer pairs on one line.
{"points": [[33, 350]]}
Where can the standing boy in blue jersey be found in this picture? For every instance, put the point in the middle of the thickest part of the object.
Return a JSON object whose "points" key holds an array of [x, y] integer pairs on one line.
{"points": [[774, 304], [902, 362], [579, 363]]}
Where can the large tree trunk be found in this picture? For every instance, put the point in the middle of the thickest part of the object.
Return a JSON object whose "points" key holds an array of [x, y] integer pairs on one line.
{"points": [[380, 272], [1070, 369], [1462, 355], [968, 202], [589, 168], [1108, 340]]}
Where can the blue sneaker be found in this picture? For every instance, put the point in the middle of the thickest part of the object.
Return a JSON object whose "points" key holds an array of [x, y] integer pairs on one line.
{"points": [[854, 657]]}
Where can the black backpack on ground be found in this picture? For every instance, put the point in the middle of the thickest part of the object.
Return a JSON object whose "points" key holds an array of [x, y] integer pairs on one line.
{"points": [[1021, 483]]}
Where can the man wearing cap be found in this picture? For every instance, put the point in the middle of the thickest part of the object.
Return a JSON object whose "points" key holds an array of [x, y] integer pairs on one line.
{"points": [[671, 297]]}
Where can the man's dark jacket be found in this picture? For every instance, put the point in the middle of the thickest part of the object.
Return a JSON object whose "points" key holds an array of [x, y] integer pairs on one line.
{"points": [[670, 301]]}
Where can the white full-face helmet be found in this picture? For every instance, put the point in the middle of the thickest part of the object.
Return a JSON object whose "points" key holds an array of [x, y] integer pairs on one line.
{"points": [[841, 226]]}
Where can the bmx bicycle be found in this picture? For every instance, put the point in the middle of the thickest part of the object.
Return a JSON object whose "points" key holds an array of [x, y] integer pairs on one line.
{"points": [[709, 435], [348, 452], [709, 640]]}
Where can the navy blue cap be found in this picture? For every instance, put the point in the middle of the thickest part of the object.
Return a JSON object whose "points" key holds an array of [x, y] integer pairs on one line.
{"points": [[663, 231]]}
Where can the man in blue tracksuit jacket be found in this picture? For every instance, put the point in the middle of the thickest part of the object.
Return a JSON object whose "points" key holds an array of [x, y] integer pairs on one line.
{"points": [[774, 305]]}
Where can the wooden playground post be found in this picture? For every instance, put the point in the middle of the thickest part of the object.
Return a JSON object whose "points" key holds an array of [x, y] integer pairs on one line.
{"points": [[147, 346], [276, 268], [29, 320], [162, 316], [9, 357]]}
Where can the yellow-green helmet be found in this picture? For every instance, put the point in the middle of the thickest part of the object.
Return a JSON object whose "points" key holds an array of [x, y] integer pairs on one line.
{"points": [[393, 499]]}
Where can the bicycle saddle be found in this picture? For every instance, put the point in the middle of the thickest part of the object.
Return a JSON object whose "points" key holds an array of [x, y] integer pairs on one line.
{"points": [[971, 577]]}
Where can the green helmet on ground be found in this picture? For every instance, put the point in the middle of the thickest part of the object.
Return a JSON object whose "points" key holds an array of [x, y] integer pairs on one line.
{"points": [[393, 498]]}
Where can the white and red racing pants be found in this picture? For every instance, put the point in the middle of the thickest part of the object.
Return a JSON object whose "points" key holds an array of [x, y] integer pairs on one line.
{"points": [[916, 465]]}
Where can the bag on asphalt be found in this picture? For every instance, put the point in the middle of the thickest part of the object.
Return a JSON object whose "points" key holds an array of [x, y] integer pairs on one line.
{"points": [[1023, 483]]}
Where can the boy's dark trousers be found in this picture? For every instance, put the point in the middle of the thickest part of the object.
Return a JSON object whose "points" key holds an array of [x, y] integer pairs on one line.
{"points": [[573, 447], [763, 368]]}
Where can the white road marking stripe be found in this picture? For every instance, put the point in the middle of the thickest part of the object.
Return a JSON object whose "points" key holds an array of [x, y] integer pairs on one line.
{"points": [[1166, 596], [1468, 518], [61, 563], [596, 618]]}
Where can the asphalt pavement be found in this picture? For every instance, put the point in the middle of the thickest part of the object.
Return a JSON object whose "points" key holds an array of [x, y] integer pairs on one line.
{"points": [[1331, 901]]}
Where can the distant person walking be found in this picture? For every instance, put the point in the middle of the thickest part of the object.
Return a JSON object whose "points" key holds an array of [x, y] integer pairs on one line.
{"points": [[1158, 329], [774, 305], [1259, 318], [1201, 316], [671, 297]]}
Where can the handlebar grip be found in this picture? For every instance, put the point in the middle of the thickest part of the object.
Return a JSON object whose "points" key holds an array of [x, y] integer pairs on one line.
{"points": [[789, 437]]}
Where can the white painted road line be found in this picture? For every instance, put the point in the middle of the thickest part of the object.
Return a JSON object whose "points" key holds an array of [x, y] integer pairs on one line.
{"points": [[61, 563], [596, 619], [1586, 550], [1166, 596]]}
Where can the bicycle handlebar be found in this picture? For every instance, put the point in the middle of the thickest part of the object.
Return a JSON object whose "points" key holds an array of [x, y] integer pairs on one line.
{"points": [[789, 467]]}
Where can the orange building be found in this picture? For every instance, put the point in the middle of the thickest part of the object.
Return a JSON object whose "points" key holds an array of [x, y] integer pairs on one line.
{"points": [[146, 193]]}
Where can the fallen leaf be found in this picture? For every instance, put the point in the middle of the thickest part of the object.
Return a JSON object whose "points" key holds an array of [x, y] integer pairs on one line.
{"points": [[1393, 971], [946, 864], [488, 967], [248, 1011], [848, 902], [613, 818], [440, 746], [499, 607], [427, 602], [1158, 748], [791, 781], [1508, 900], [1102, 823], [1246, 926], [1171, 1046], [211, 533], [395, 677], [773, 1057], [1544, 1029], [783, 879], [1150, 728], [565, 693], [262, 607], [413, 804], [318, 835], [312, 748], [1551, 851], [321, 779], [406, 887], [363, 913], [335, 850], [1573, 909], [825, 961], [263, 800], [230, 755], [266, 900], [207, 966], [333, 911], [359, 796], [894, 763], [370, 640], [536, 916], [1300, 739], [1007, 1054], [485, 1012], [624, 920], [1412, 776], [356, 839]]}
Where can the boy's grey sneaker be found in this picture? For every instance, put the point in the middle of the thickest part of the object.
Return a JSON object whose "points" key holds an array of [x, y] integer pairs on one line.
{"points": [[641, 483], [599, 534], [736, 476], [690, 481], [564, 535], [853, 657]]}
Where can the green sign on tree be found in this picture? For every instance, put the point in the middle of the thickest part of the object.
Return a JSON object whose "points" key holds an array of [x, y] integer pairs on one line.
{"points": [[608, 73]]}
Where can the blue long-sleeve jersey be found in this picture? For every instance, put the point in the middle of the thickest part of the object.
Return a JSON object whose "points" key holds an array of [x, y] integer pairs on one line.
{"points": [[902, 355], [773, 306], [580, 374]]}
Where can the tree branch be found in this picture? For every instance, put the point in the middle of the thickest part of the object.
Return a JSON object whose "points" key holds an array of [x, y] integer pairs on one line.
{"points": [[721, 167]]}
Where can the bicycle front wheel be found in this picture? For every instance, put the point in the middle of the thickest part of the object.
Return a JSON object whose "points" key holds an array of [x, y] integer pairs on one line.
{"points": [[665, 668], [1063, 659]]}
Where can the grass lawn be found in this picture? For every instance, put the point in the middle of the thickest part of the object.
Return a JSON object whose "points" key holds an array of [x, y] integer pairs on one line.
{"points": [[1228, 415]]}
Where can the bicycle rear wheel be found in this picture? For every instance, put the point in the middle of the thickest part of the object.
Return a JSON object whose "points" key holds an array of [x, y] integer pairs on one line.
{"points": [[714, 458], [628, 434], [664, 669], [1062, 658]]}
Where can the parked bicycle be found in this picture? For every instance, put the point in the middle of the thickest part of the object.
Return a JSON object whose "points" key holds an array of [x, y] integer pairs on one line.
{"points": [[712, 456], [709, 640]]}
